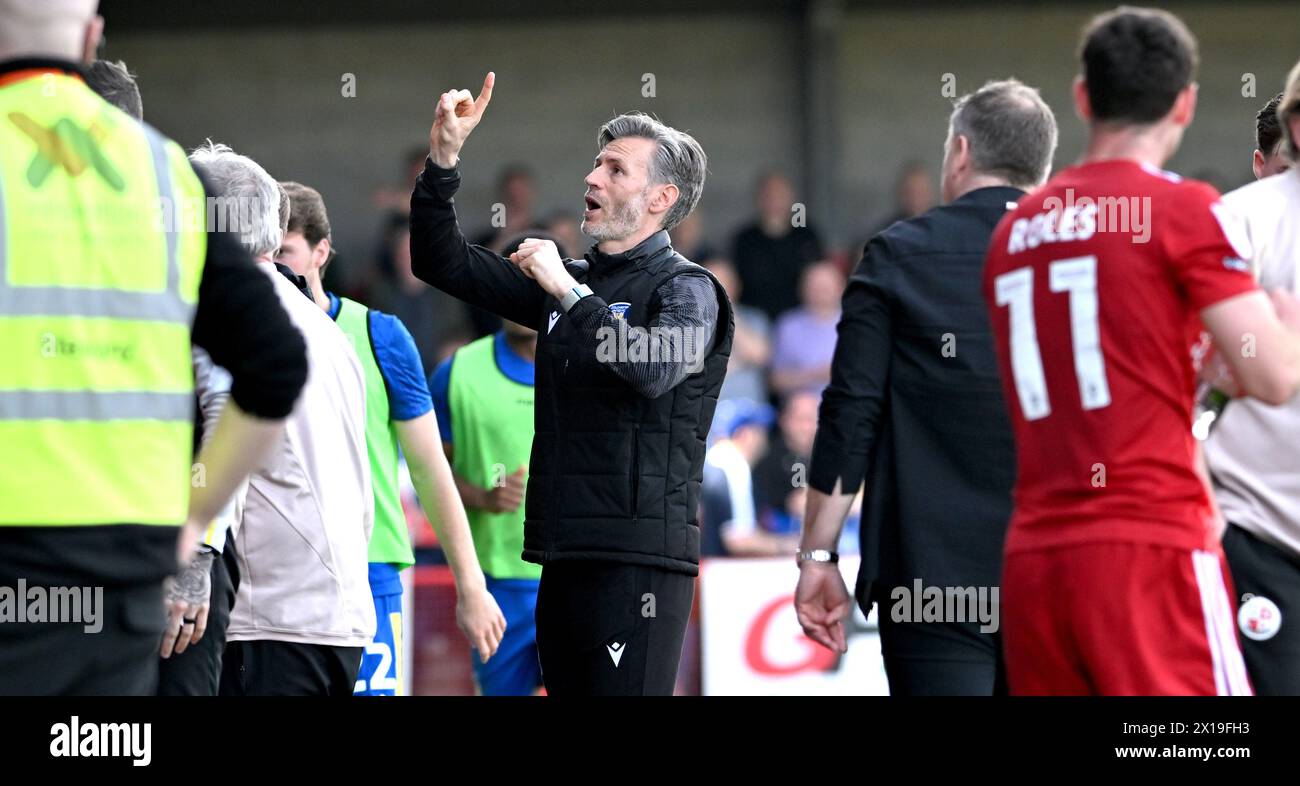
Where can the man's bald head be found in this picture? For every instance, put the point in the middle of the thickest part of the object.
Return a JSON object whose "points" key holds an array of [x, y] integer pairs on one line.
{"points": [[65, 29]]}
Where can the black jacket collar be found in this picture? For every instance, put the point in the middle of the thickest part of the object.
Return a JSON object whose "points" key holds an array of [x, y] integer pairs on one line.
{"points": [[602, 262], [53, 63], [990, 195]]}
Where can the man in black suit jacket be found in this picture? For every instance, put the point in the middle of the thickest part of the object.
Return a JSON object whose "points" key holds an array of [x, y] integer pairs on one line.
{"points": [[915, 408]]}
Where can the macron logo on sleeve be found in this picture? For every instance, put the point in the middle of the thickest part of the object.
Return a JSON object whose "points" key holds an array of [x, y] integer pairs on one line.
{"points": [[550, 323]]}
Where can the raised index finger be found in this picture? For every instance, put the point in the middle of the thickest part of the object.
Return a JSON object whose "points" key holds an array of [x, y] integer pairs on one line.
{"points": [[485, 95]]}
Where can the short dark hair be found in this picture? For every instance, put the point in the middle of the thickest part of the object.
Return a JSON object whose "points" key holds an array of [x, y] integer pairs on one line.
{"points": [[307, 212], [1011, 130], [1268, 131], [307, 215], [1135, 63], [116, 85]]}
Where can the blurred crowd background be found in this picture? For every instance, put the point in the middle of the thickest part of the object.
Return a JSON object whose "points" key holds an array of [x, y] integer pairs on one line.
{"points": [[823, 120]]}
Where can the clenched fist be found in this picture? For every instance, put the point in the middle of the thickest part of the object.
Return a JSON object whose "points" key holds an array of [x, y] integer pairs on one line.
{"points": [[507, 497], [540, 261], [457, 114]]}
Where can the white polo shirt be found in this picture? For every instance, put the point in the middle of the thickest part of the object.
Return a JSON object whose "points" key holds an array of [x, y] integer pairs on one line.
{"points": [[1254, 449], [725, 456], [307, 515]]}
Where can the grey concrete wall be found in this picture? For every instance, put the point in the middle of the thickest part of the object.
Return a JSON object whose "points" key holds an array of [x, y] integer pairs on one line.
{"points": [[893, 62], [275, 94]]}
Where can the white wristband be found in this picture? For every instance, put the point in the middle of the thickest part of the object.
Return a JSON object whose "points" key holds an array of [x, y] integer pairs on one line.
{"points": [[573, 296]]}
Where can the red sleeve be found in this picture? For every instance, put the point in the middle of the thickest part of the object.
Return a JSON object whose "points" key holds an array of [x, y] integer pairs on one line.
{"points": [[1207, 246]]}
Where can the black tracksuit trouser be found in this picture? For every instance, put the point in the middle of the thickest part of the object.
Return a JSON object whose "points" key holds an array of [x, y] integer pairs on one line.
{"points": [[610, 629]]}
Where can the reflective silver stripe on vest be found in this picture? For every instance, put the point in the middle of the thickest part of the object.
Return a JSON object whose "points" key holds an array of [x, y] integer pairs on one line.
{"points": [[163, 173], [165, 306], [97, 406]]}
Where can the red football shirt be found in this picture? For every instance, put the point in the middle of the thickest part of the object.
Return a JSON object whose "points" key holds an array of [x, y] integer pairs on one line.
{"points": [[1095, 283]]}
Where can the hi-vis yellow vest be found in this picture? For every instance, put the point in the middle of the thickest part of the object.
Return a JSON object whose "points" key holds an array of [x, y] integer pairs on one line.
{"points": [[101, 250]]}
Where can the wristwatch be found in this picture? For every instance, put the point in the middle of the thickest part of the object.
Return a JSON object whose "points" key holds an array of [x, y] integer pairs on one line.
{"points": [[575, 294], [816, 555]]}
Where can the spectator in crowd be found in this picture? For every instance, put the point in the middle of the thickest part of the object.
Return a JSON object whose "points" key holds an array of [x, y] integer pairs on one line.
{"points": [[365, 282], [398, 199], [805, 336], [751, 348], [913, 193], [730, 523], [781, 476], [511, 214], [780, 490], [771, 252], [563, 226], [688, 237], [513, 211], [438, 322]]}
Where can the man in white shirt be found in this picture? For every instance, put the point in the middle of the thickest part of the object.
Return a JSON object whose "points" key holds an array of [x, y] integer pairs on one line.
{"points": [[730, 522], [303, 612], [1253, 452]]}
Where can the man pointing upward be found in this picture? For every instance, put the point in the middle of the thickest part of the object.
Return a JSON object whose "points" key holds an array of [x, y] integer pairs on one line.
{"points": [[632, 348]]}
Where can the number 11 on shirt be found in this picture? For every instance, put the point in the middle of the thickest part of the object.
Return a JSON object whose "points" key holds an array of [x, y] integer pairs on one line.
{"points": [[1015, 289]]}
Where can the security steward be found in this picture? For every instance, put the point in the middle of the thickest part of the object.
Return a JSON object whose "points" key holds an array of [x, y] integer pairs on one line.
{"points": [[106, 274]]}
